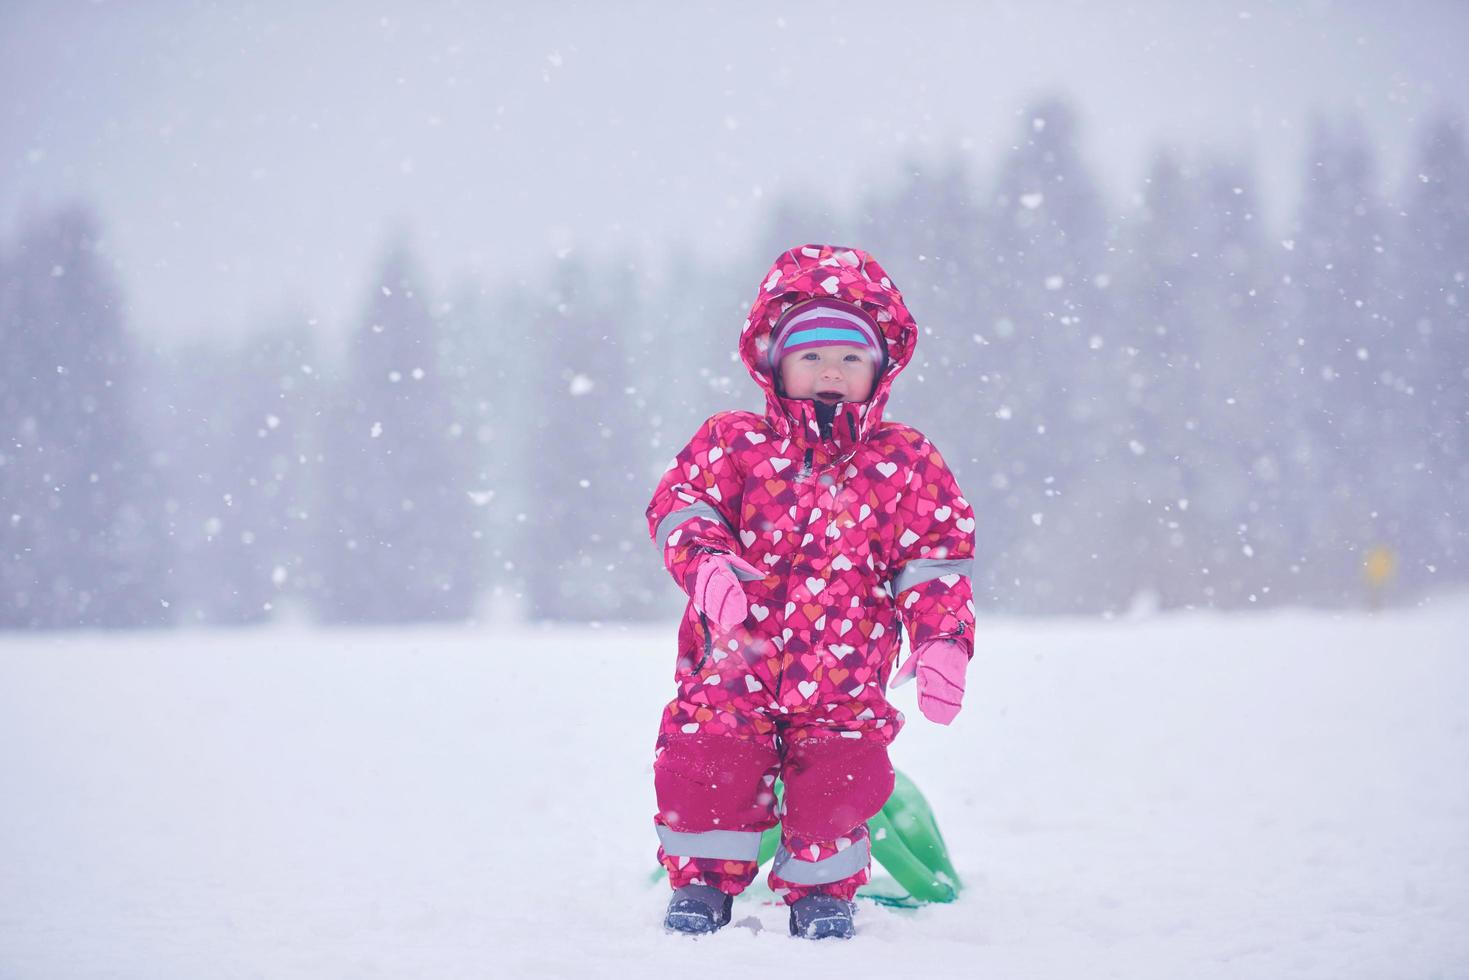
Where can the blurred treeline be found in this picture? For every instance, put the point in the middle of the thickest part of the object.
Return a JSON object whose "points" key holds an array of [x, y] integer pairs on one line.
{"points": [[1168, 401]]}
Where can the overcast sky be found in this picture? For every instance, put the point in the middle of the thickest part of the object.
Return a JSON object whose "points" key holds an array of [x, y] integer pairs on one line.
{"points": [[243, 157]]}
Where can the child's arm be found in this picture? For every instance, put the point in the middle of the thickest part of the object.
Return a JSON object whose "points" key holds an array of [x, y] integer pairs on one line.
{"points": [[932, 585], [931, 578], [694, 511]]}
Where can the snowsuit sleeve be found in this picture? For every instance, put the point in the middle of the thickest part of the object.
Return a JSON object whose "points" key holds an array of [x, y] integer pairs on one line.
{"points": [[931, 579], [694, 510]]}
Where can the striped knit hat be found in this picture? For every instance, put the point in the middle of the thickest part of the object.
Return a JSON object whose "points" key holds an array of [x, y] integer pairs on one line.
{"points": [[823, 322]]}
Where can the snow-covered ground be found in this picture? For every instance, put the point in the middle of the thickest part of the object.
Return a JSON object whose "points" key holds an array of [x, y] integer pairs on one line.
{"points": [[1269, 796]]}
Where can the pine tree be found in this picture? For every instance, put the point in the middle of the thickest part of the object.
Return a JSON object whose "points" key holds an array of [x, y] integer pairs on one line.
{"points": [[241, 422], [489, 360], [584, 538], [1337, 304], [1427, 383], [1059, 458], [1162, 283], [397, 516], [1203, 361], [928, 233], [82, 545]]}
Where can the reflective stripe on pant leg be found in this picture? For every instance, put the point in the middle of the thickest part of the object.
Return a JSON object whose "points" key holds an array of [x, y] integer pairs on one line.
{"points": [[727, 845], [840, 865]]}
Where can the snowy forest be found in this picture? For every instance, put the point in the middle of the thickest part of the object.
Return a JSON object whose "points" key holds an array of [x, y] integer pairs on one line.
{"points": [[1174, 400]]}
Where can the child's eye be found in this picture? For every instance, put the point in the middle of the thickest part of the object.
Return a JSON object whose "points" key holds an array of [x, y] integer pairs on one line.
{"points": [[810, 355], [854, 357]]}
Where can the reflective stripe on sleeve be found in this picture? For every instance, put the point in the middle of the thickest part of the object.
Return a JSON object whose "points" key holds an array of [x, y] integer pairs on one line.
{"points": [[727, 845], [671, 522], [745, 576], [842, 864], [921, 570]]}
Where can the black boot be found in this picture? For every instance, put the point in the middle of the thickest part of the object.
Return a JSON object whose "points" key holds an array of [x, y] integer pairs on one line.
{"points": [[697, 909], [819, 916]]}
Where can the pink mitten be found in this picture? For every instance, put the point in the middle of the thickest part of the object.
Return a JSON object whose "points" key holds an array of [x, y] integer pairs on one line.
{"points": [[940, 666], [717, 592]]}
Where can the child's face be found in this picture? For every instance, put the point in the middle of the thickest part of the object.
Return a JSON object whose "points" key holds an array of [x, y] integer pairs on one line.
{"points": [[836, 373]]}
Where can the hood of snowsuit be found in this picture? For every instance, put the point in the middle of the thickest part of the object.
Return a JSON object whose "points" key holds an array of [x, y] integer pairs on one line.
{"points": [[827, 272]]}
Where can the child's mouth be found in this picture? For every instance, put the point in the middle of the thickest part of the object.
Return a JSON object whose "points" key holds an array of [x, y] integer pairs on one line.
{"points": [[830, 397]]}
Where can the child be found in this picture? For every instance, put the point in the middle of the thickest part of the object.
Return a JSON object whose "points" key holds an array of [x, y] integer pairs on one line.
{"points": [[803, 537]]}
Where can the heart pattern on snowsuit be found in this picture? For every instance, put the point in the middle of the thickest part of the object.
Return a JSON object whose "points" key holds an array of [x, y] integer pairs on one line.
{"points": [[832, 514]]}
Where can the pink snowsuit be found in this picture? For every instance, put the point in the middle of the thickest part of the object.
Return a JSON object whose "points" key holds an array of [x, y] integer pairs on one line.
{"points": [[859, 526]]}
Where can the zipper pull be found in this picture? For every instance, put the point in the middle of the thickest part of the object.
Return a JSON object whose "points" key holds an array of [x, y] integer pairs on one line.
{"points": [[805, 465]]}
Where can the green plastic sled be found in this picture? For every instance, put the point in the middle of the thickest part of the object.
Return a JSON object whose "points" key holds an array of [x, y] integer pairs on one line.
{"points": [[906, 842]]}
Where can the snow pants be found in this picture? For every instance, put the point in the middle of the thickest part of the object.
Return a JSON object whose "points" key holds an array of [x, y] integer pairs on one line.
{"points": [[716, 795]]}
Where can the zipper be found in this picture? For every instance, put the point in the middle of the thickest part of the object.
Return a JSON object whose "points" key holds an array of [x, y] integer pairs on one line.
{"points": [[805, 466], [825, 415], [708, 643]]}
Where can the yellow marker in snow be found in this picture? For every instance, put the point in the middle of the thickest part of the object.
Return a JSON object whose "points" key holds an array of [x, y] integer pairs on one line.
{"points": [[1379, 566]]}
